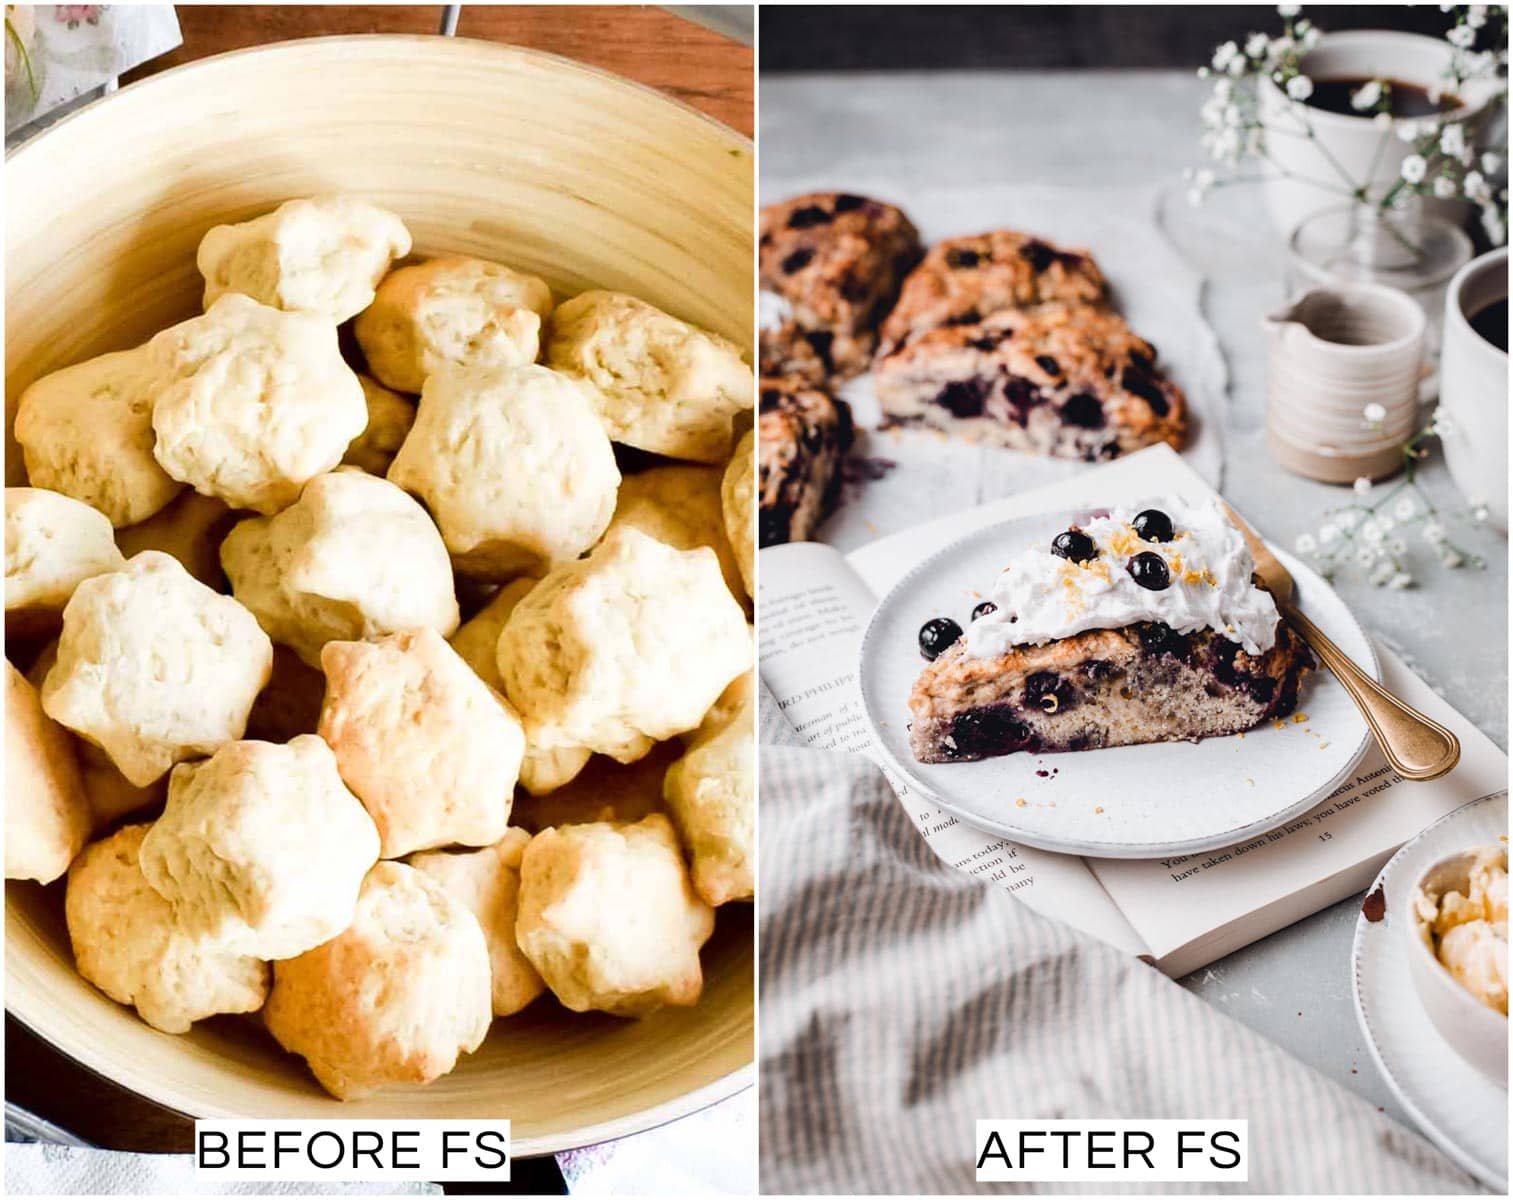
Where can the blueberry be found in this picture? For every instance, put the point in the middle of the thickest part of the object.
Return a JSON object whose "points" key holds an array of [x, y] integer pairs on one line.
{"points": [[797, 261], [938, 635], [1160, 639], [809, 215], [963, 398], [962, 258], [846, 202], [1083, 410], [1038, 254], [1048, 364], [1075, 546], [1149, 570], [1153, 525], [983, 609]]}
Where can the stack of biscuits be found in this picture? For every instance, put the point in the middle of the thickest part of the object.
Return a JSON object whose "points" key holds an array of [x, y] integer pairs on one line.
{"points": [[318, 606]]}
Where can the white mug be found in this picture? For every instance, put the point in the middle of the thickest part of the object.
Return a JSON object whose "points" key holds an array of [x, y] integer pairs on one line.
{"points": [[1473, 389], [1333, 352]]}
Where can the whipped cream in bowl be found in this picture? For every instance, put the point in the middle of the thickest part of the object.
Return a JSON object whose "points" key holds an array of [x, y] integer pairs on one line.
{"points": [[1042, 596]]}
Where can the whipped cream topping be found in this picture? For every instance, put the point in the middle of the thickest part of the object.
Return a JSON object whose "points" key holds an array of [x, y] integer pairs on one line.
{"points": [[1041, 597], [772, 310]]}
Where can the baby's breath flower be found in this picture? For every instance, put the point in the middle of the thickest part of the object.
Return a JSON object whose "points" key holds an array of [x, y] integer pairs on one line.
{"points": [[1407, 131], [1329, 533], [1476, 15], [1444, 188], [1453, 140], [1372, 532], [1224, 55], [1362, 486], [1451, 558], [1398, 547], [1490, 162], [1374, 414], [1479, 513], [1433, 533], [1288, 11], [1400, 580], [1256, 45], [1382, 120], [1367, 96], [1305, 544], [1462, 37], [1405, 509], [1382, 572], [1365, 556], [1300, 87], [1476, 187], [1415, 168]]}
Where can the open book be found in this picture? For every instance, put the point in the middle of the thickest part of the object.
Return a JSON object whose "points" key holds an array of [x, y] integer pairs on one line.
{"points": [[1185, 912]]}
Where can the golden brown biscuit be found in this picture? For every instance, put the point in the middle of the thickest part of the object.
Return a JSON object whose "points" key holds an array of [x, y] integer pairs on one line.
{"points": [[681, 505], [487, 882], [128, 945], [392, 999], [711, 796], [47, 817], [609, 917], [52, 544], [738, 495], [430, 749]]}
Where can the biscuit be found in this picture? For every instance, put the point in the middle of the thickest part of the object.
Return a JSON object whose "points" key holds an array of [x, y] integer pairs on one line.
{"points": [[154, 667], [487, 883], [662, 385], [634, 642], [47, 818], [354, 558], [321, 255], [390, 417], [191, 529], [737, 497], [610, 919], [250, 403], [261, 848], [681, 506], [430, 749], [451, 312], [52, 544], [513, 465], [547, 764], [395, 997], [128, 945], [711, 796], [86, 431]]}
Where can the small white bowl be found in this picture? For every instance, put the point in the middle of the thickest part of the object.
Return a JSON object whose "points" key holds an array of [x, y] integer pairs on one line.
{"points": [[1477, 1033]]}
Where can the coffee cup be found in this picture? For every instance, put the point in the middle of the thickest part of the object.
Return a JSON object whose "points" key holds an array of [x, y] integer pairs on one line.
{"points": [[1473, 390]]}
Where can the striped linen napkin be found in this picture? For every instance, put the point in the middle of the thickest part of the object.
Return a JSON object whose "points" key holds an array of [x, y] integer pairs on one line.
{"points": [[902, 1000]]}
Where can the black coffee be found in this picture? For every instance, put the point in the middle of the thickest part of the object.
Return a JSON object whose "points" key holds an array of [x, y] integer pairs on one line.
{"points": [[1491, 322], [1403, 99]]}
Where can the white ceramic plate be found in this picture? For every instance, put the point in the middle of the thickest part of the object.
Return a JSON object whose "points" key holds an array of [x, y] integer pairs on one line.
{"points": [[1456, 1107], [1148, 801]]}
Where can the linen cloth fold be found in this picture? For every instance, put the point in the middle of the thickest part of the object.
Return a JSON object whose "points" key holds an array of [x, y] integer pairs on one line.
{"points": [[902, 1000]]}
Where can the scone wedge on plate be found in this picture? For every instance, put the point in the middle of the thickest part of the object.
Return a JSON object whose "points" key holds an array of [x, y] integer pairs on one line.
{"points": [[1133, 627]]}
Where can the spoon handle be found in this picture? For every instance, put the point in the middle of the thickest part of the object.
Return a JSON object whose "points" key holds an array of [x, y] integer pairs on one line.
{"points": [[1415, 746]]}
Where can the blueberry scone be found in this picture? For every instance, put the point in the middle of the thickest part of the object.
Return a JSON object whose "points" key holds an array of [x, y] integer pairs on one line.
{"points": [[127, 943], [661, 384], [610, 918], [250, 403], [86, 431], [355, 558], [261, 847], [804, 437], [451, 312], [396, 997], [832, 264], [154, 667], [320, 254], [626, 647], [52, 544], [513, 465], [487, 883], [1144, 627], [1065, 380], [964, 279]]}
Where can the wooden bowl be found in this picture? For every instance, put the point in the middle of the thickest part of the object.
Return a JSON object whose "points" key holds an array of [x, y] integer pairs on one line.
{"points": [[565, 172]]}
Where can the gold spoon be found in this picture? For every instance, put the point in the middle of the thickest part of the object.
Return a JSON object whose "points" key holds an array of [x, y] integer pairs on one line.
{"points": [[1415, 746]]}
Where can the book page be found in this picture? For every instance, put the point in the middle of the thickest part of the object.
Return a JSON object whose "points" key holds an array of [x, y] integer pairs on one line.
{"points": [[813, 611], [1335, 850]]}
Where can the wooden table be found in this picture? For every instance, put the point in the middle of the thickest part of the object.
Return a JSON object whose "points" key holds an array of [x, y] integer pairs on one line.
{"points": [[702, 69]]}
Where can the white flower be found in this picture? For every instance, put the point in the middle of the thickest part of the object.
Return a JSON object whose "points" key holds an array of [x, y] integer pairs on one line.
{"points": [[1308, 36], [1300, 87], [1398, 547], [1224, 90], [1400, 580], [1382, 120], [1382, 572], [1367, 96], [1288, 11], [1451, 558], [1476, 187], [1405, 509], [1348, 518], [1305, 544], [1374, 414], [1434, 533], [1462, 37], [1385, 523], [1204, 72], [1492, 221], [1329, 533], [1407, 131], [1372, 532], [1237, 65], [1364, 556], [1476, 15], [1453, 140], [1479, 513], [1362, 486], [1415, 168], [1256, 44], [1199, 182], [1444, 187], [1490, 162], [1224, 55]]}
